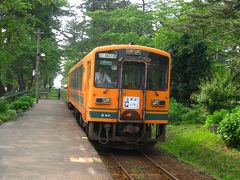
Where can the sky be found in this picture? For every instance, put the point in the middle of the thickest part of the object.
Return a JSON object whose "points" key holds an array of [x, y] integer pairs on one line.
{"points": [[75, 3]]}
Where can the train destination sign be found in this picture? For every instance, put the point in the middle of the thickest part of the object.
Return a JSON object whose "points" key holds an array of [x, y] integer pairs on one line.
{"points": [[107, 55], [130, 102]]}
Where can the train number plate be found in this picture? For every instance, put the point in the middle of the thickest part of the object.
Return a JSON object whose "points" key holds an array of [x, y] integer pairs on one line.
{"points": [[130, 102]]}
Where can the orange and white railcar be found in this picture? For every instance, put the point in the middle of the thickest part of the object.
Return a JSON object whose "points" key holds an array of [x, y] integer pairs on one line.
{"points": [[120, 93]]}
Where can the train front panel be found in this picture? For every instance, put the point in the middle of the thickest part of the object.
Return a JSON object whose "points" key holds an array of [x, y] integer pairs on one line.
{"points": [[128, 94]]}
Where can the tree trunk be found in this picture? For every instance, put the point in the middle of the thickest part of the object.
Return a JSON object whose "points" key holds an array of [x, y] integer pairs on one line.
{"points": [[21, 82], [2, 89], [45, 81], [143, 5], [9, 84], [9, 87], [50, 83], [30, 83]]}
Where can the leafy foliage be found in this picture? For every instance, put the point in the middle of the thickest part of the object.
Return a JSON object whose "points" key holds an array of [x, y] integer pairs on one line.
{"points": [[3, 117], [11, 114], [107, 5], [179, 113], [19, 21], [216, 117], [189, 66], [229, 128], [21, 104], [196, 114], [176, 111], [217, 93], [3, 106], [8, 116]]}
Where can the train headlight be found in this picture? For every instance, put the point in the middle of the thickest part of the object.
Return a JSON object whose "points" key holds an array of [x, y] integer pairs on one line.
{"points": [[103, 100], [107, 100], [158, 103]]}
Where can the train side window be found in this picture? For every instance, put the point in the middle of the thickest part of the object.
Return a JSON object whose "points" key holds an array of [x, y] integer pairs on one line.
{"points": [[80, 77], [89, 73]]}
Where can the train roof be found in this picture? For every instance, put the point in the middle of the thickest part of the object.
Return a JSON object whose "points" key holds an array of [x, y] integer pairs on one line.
{"points": [[115, 47]]}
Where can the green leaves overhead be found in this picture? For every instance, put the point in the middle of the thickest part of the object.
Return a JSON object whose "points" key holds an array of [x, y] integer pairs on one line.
{"points": [[120, 26], [18, 22]]}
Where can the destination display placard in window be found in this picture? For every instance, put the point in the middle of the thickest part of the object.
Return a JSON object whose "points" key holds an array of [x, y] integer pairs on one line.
{"points": [[130, 102]]}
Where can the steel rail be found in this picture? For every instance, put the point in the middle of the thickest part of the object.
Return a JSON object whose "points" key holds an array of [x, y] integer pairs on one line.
{"points": [[160, 167], [121, 166]]}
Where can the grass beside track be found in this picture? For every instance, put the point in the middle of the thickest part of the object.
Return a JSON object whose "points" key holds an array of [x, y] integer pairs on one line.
{"points": [[198, 146]]}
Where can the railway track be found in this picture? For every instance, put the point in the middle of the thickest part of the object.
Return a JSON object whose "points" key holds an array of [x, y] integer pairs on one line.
{"points": [[148, 168]]}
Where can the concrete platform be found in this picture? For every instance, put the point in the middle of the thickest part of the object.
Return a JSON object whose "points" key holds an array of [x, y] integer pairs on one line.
{"points": [[47, 143]]}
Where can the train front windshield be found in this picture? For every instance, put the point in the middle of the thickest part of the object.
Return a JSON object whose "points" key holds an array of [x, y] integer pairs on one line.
{"points": [[106, 71]]}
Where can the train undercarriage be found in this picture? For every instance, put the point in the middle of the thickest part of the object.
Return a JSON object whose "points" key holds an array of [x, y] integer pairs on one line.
{"points": [[131, 134]]}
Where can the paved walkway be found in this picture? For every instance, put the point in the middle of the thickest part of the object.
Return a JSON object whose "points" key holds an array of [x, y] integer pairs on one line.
{"points": [[47, 143]]}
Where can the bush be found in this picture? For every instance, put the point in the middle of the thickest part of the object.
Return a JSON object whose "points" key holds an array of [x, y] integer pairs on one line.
{"points": [[11, 114], [176, 111], [236, 110], [3, 117], [3, 105], [229, 128], [9, 111], [216, 117], [27, 99], [217, 93], [22, 103], [196, 114], [32, 94], [180, 113]]}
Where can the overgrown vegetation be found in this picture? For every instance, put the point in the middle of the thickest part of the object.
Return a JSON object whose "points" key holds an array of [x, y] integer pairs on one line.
{"points": [[216, 117], [228, 122], [21, 104], [198, 146], [9, 110], [229, 128], [180, 113], [218, 93]]}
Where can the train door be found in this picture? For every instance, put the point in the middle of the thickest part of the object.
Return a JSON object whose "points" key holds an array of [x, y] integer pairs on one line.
{"points": [[87, 86], [133, 91]]}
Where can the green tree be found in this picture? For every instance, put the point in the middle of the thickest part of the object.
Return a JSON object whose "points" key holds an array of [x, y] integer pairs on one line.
{"points": [[107, 5], [120, 26], [19, 19], [190, 64], [14, 30]]}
